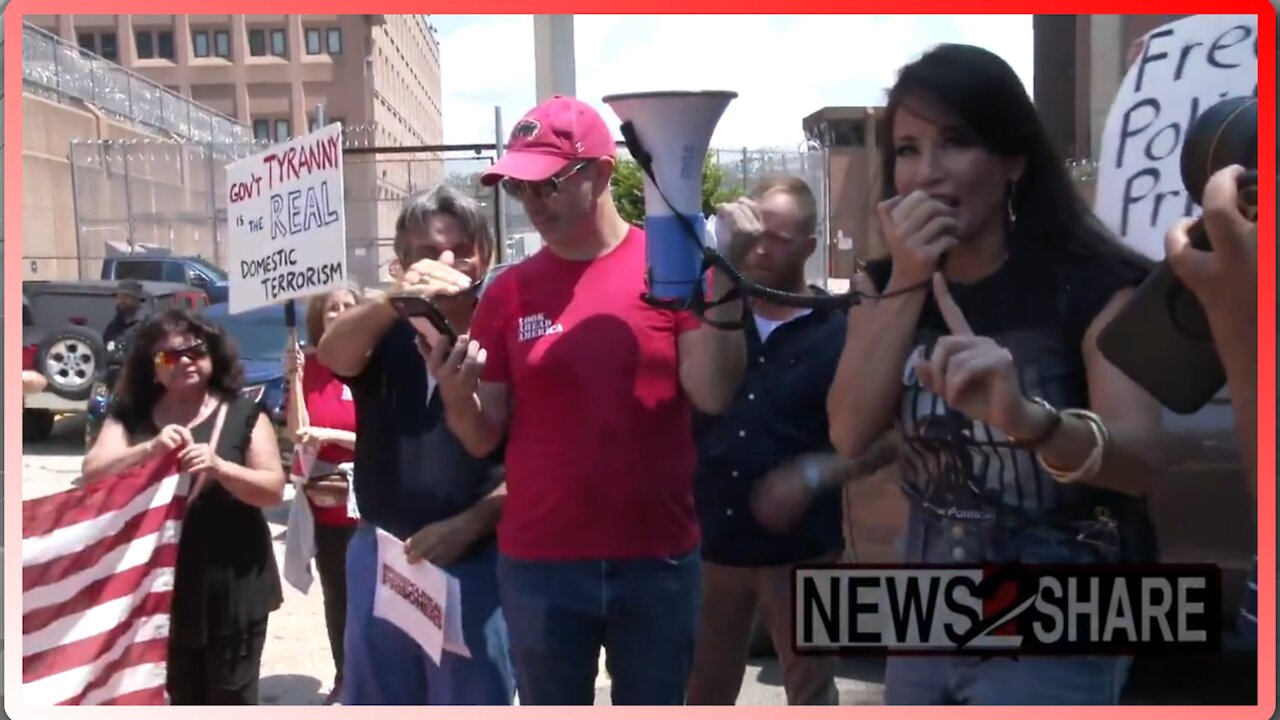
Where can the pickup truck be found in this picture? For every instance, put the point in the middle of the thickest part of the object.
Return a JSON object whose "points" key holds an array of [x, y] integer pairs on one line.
{"points": [[194, 271]]}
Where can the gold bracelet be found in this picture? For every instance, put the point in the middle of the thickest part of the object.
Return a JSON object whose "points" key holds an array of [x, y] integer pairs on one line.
{"points": [[1093, 463]]}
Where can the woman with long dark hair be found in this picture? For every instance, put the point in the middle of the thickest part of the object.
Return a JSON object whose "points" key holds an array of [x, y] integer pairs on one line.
{"points": [[179, 391], [1019, 441]]}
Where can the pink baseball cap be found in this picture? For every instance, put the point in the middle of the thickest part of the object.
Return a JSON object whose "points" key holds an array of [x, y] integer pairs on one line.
{"points": [[549, 138]]}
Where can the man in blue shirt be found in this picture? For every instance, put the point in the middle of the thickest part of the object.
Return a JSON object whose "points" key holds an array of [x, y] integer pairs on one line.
{"points": [[779, 413], [413, 479]]}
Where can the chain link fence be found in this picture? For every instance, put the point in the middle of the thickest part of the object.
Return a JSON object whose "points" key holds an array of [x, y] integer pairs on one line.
{"points": [[170, 198], [740, 171]]}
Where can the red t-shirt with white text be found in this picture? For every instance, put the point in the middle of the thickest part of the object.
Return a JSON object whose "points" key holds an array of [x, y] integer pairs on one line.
{"points": [[599, 455]]}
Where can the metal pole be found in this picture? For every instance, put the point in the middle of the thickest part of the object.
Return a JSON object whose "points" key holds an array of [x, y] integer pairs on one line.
{"points": [[128, 199], [213, 204], [75, 211], [499, 208]]}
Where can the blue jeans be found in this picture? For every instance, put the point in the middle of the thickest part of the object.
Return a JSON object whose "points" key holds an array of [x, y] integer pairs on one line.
{"points": [[1040, 680], [642, 612], [1028, 680], [384, 666]]}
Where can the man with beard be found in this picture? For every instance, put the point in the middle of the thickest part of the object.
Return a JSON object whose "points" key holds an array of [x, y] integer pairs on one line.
{"points": [[413, 479], [128, 315], [778, 414]]}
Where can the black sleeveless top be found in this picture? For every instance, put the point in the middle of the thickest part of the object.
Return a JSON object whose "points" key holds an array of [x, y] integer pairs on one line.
{"points": [[1039, 306], [226, 577]]}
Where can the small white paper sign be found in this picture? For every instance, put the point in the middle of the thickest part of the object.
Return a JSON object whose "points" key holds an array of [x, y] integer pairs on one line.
{"points": [[422, 600]]}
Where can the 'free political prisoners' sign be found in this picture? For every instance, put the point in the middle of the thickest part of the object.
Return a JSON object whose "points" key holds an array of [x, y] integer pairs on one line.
{"points": [[285, 211], [1184, 68]]}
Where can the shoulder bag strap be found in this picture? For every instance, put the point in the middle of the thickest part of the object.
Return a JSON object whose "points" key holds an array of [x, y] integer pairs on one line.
{"points": [[213, 443]]}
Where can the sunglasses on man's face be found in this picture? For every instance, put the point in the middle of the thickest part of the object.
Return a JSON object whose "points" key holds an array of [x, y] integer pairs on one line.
{"points": [[541, 189], [171, 356]]}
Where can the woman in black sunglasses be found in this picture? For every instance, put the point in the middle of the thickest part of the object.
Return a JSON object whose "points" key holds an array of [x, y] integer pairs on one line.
{"points": [[179, 394]]}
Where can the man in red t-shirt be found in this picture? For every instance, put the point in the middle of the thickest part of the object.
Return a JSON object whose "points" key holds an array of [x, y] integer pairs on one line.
{"points": [[591, 388]]}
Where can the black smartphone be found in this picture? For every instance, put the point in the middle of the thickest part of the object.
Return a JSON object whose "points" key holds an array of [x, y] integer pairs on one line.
{"points": [[1161, 339], [416, 307]]}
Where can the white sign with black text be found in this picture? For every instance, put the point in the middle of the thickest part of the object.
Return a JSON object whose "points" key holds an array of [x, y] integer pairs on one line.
{"points": [[286, 222], [1183, 68]]}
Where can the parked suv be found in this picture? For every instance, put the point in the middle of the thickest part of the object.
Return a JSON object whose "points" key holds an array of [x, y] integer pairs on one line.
{"points": [[194, 271]]}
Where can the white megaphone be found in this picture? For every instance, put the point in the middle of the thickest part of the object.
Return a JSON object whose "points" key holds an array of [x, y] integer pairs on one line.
{"points": [[668, 134]]}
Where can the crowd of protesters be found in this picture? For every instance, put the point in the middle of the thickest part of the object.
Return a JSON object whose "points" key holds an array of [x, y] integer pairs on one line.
{"points": [[584, 463]]}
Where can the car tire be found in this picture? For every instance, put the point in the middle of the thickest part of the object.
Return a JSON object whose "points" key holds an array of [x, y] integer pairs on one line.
{"points": [[37, 425], [71, 358]]}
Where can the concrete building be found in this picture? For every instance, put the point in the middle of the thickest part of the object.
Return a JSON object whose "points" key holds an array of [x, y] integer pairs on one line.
{"points": [[849, 136], [377, 74]]}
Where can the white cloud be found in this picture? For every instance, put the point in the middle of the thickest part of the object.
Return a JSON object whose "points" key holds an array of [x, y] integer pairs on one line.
{"points": [[782, 67]]}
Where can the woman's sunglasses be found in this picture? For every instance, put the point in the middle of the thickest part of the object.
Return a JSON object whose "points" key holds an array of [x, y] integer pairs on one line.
{"points": [[170, 357]]}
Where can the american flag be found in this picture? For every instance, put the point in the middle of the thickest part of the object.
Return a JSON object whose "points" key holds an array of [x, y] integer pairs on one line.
{"points": [[97, 581]]}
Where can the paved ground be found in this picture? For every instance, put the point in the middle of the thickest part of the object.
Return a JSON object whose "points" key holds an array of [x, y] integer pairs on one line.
{"points": [[298, 670]]}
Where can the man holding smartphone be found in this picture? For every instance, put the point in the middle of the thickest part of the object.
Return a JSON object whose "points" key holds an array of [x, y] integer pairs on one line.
{"points": [[592, 390], [413, 479]]}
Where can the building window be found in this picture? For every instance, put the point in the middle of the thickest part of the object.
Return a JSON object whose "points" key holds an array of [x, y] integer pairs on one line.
{"points": [[154, 44], [200, 43], [164, 44], [222, 44], [257, 43], [282, 131], [335, 41], [108, 49], [145, 43], [279, 47], [261, 129], [313, 42], [102, 44]]}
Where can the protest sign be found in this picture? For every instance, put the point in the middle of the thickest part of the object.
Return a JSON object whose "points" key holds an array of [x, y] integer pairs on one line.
{"points": [[1181, 70], [286, 222], [422, 600]]}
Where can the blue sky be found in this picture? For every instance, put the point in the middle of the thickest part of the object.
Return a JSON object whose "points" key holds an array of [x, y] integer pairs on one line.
{"points": [[782, 67]]}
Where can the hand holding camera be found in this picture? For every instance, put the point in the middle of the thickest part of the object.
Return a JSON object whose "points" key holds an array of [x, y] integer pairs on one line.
{"points": [[1224, 276]]}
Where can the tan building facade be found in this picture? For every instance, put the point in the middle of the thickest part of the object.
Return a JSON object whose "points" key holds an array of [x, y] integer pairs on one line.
{"points": [[377, 74], [849, 136]]}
